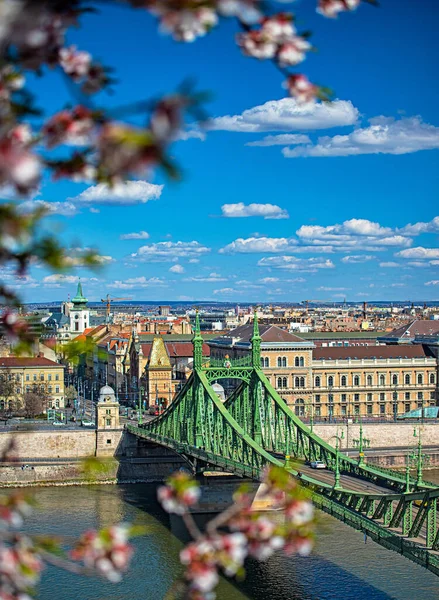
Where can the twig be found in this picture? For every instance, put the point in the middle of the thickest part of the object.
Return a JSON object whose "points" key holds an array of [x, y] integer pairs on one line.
{"points": [[191, 526]]}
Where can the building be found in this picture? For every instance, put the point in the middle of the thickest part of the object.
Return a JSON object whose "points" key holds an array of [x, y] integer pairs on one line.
{"points": [[71, 320], [338, 381], [37, 374]]}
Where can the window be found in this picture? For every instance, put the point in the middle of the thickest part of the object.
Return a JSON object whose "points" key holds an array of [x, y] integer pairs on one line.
{"points": [[369, 397], [369, 380], [344, 381], [343, 397], [382, 409], [49, 377], [357, 397], [407, 407], [382, 397], [108, 411], [317, 411], [27, 377], [302, 382], [300, 407], [108, 422], [356, 409], [279, 382], [41, 376], [49, 389], [343, 410], [369, 409], [420, 396], [407, 379], [357, 380], [27, 389], [420, 379], [331, 398], [17, 391], [431, 377], [284, 361], [301, 361], [284, 382], [57, 389], [57, 377], [431, 395], [108, 441], [317, 381], [35, 377], [407, 396], [395, 395], [296, 382], [330, 381], [317, 398], [281, 361], [382, 380], [57, 404], [296, 362]]}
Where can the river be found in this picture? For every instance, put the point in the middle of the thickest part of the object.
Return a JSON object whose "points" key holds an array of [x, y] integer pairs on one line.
{"points": [[342, 565]]}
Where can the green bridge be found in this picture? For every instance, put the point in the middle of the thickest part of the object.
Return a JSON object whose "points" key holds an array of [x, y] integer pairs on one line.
{"points": [[255, 428]]}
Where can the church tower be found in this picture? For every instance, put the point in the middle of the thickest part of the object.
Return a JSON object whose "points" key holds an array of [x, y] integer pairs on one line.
{"points": [[79, 314]]}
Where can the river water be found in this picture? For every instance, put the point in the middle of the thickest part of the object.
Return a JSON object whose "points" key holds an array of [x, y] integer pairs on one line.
{"points": [[341, 567]]}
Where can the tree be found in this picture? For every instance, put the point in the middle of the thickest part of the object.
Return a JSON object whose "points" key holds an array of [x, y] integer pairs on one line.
{"points": [[8, 396], [34, 403], [70, 395]]}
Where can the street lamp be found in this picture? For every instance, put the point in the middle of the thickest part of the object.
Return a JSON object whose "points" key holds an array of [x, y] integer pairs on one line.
{"points": [[338, 439], [361, 443], [141, 390], [417, 458]]}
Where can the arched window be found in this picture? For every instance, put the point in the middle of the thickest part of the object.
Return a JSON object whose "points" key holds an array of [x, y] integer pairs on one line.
{"points": [[284, 361], [317, 381], [330, 381], [284, 382], [420, 379], [265, 362], [394, 379], [279, 361], [296, 362], [296, 382], [357, 380], [279, 382], [407, 379], [299, 409], [344, 380], [369, 380], [382, 380], [431, 377], [301, 361], [262, 362], [302, 382]]}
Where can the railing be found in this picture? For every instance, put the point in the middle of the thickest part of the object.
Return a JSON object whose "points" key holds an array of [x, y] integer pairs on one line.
{"points": [[243, 361]]}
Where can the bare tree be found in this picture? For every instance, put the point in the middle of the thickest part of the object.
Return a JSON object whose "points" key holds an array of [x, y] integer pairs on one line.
{"points": [[35, 403], [8, 398]]}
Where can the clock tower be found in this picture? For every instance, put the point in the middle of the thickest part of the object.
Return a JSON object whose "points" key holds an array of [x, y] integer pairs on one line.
{"points": [[79, 314]]}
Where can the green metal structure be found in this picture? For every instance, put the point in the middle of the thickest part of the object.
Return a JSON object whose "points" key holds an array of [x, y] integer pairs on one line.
{"points": [[255, 428]]}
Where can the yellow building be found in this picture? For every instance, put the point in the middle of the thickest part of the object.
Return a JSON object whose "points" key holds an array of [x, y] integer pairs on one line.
{"points": [[25, 375], [337, 382]]}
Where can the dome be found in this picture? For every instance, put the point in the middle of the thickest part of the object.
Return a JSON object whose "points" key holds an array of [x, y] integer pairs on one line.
{"points": [[106, 389]]}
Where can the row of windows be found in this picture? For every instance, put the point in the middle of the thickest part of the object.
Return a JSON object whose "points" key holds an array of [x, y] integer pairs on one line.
{"points": [[370, 397], [34, 389], [17, 377], [282, 361], [282, 382], [343, 410], [419, 379]]}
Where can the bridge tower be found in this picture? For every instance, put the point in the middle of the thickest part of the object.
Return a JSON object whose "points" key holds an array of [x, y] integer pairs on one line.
{"points": [[197, 390], [256, 343]]}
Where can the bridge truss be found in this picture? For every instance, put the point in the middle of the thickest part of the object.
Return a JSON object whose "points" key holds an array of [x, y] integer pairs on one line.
{"points": [[256, 428]]}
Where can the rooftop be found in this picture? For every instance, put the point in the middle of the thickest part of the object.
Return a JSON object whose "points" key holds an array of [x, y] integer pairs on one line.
{"points": [[21, 361], [370, 352], [270, 334]]}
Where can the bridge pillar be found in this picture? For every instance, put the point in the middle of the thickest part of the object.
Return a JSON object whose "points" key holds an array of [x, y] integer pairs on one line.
{"points": [[388, 514], [431, 522], [407, 519]]}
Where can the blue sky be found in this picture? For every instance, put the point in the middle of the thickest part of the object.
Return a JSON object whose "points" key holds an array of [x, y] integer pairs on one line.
{"points": [[326, 202]]}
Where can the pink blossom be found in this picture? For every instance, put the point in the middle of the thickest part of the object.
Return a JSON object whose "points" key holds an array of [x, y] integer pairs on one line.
{"points": [[19, 167], [301, 88], [187, 25], [69, 126], [179, 493], [293, 52], [254, 43], [74, 62], [279, 28], [331, 8]]}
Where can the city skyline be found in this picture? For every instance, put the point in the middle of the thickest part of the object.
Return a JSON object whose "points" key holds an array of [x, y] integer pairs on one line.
{"points": [[277, 202]]}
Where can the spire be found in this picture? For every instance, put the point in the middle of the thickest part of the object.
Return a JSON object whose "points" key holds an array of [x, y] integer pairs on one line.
{"points": [[79, 301], [197, 342], [256, 343]]}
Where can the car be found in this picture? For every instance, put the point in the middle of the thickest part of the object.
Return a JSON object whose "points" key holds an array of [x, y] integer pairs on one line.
{"points": [[317, 464], [87, 423], [58, 423]]}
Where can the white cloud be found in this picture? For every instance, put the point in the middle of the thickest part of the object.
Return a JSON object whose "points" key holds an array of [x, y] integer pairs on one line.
{"points": [[269, 280], [390, 265], [433, 282], [139, 235], [94, 210], [131, 192], [324, 288], [169, 251], [66, 209], [397, 285], [356, 258], [383, 136], [60, 278], [258, 244], [284, 139], [176, 269], [212, 277], [421, 227], [292, 263], [267, 211], [227, 291], [287, 115], [419, 253], [184, 135], [138, 282]]}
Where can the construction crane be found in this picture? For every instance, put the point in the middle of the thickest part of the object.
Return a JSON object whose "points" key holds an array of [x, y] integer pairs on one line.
{"points": [[108, 301]]}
